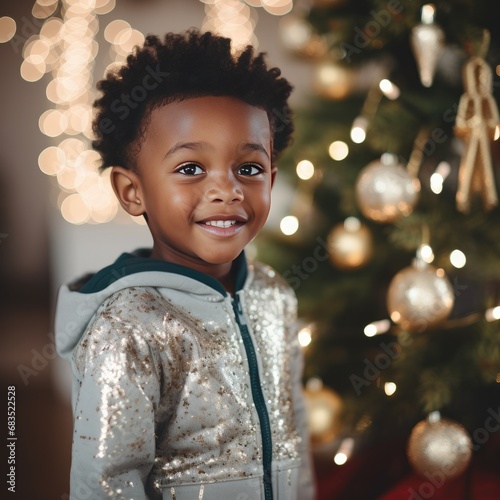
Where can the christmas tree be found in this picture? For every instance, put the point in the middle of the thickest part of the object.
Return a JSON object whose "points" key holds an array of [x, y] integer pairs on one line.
{"points": [[392, 243]]}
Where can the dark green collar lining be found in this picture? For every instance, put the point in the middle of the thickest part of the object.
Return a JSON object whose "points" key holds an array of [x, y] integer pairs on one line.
{"points": [[138, 262]]}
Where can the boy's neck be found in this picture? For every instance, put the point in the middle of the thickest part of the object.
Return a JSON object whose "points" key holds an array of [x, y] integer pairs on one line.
{"points": [[224, 273]]}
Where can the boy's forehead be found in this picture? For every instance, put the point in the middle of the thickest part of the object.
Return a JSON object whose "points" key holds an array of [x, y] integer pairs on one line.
{"points": [[205, 115]]}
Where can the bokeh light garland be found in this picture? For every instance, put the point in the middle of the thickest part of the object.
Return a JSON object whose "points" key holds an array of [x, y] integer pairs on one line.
{"points": [[61, 43]]}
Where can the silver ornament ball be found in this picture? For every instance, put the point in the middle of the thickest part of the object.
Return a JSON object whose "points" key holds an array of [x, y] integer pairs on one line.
{"points": [[386, 191], [439, 448], [419, 296]]}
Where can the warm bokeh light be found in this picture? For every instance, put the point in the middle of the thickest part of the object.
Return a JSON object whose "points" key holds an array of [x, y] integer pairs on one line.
{"points": [[127, 39], [295, 32], [305, 169], [104, 6], [377, 327], [43, 11], [52, 123], [50, 160], [230, 18], [277, 7], [390, 90], [457, 259], [7, 28], [114, 28], [74, 210], [31, 72], [289, 225], [428, 11], [358, 130], [492, 314], [436, 183], [344, 452], [305, 336], [390, 388], [338, 150], [426, 253]]}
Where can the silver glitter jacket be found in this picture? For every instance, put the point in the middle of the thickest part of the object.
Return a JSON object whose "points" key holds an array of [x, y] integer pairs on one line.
{"points": [[181, 391]]}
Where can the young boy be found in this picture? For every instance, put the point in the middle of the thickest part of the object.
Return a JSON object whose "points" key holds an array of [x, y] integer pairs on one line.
{"points": [[185, 359]]}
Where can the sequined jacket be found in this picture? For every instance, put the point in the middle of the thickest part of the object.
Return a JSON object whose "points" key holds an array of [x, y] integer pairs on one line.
{"points": [[182, 391]]}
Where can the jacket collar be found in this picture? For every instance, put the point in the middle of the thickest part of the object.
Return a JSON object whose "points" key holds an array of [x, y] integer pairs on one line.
{"points": [[139, 261]]}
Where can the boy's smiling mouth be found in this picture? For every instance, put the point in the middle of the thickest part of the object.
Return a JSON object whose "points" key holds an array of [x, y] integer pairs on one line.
{"points": [[223, 225]]}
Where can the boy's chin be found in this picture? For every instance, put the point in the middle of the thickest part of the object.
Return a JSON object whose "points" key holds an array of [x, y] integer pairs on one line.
{"points": [[221, 258]]}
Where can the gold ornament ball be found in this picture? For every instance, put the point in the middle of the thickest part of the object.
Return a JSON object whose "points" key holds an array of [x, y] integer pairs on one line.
{"points": [[441, 448], [350, 244], [419, 296], [324, 414], [333, 81], [386, 191]]}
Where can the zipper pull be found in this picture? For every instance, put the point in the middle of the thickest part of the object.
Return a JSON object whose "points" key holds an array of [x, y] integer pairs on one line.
{"points": [[239, 310]]}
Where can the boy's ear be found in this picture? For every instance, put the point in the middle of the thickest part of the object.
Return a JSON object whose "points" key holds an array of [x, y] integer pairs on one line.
{"points": [[127, 187], [274, 171]]}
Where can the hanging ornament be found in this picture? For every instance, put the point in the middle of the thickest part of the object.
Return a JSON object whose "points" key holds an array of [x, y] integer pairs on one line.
{"points": [[350, 244], [439, 446], [385, 190], [477, 118], [427, 42], [419, 296], [324, 411]]}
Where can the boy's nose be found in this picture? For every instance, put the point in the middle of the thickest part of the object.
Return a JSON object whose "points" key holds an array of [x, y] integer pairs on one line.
{"points": [[225, 189]]}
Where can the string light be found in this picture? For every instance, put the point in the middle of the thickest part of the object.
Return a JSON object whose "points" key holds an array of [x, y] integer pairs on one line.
{"points": [[289, 225], [438, 177], [344, 452], [338, 150], [389, 89], [426, 254], [492, 314], [458, 259], [305, 336], [358, 129], [66, 49], [390, 388], [305, 169], [377, 327]]}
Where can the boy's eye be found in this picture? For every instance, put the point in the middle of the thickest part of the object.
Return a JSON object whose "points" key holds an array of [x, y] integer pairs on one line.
{"points": [[190, 169], [250, 169]]}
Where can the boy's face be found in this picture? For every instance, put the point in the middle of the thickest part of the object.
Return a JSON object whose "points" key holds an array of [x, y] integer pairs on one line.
{"points": [[204, 180]]}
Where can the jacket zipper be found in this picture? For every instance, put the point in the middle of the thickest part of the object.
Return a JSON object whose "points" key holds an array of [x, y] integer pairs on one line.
{"points": [[258, 397]]}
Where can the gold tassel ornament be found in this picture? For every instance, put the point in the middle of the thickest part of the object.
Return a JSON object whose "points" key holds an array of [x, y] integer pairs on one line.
{"points": [[477, 118]]}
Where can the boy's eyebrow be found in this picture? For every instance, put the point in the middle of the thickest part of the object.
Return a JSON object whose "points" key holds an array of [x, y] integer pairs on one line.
{"points": [[254, 146], [201, 145]]}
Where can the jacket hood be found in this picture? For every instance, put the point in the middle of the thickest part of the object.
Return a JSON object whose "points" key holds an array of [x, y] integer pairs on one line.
{"points": [[77, 302]]}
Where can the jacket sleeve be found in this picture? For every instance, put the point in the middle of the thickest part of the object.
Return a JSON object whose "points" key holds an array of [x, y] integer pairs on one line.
{"points": [[307, 489], [119, 387]]}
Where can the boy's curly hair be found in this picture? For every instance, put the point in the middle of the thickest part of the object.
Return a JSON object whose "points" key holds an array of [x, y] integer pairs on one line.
{"points": [[190, 64]]}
